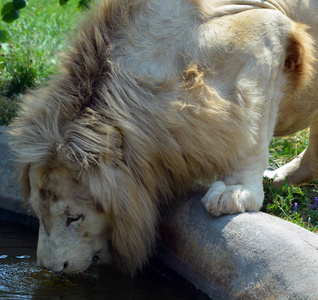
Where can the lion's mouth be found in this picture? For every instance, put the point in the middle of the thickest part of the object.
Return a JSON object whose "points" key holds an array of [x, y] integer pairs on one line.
{"points": [[94, 262], [95, 259]]}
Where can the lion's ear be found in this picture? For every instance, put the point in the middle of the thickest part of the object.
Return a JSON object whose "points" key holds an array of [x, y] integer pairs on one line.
{"points": [[134, 217], [299, 56], [24, 180]]}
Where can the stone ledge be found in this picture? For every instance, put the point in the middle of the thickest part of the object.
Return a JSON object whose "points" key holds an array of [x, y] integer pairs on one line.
{"points": [[246, 256]]}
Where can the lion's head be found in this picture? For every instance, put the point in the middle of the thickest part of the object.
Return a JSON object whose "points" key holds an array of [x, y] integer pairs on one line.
{"points": [[76, 229], [73, 231]]}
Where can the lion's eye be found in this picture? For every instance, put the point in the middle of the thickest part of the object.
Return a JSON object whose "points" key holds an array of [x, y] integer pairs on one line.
{"points": [[74, 218]]}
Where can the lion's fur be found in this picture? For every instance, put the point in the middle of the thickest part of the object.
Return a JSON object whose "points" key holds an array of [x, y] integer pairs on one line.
{"points": [[137, 139]]}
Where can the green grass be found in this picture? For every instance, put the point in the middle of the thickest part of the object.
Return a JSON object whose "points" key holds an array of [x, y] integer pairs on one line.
{"points": [[295, 204], [30, 57], [282, 150], [281, 202]]}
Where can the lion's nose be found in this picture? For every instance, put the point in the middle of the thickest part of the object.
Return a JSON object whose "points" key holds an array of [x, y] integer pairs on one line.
{"points": [[53, 266]]}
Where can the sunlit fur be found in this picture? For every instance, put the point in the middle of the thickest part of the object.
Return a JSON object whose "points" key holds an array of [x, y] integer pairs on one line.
{"points": [[147, 102]]}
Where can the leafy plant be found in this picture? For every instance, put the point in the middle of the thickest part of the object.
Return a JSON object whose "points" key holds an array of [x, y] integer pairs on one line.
{"points": [[23, 77], [81, 3], [8, 109], [30, 56], [11, 10]]}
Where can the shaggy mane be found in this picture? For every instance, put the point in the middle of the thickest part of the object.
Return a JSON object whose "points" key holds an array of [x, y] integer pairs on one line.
{"points": [[69, 120]]}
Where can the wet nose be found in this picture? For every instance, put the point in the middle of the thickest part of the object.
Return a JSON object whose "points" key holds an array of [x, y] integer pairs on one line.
{"points": [[54, 266]]}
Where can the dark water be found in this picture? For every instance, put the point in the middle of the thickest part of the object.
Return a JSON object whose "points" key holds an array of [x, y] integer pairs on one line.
{"points": [[20, 278]]}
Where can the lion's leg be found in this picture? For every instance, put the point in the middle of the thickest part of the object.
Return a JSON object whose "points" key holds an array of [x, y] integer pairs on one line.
{"points": [[303, 168], [242, 189], [238, 192]]}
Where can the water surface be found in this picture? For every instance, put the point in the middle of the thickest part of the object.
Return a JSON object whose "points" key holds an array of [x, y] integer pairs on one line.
{"points": [[20, 278]]}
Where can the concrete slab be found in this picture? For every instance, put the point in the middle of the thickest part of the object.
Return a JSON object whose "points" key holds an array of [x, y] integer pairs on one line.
{"points": [[245, 256], [12, 206]]}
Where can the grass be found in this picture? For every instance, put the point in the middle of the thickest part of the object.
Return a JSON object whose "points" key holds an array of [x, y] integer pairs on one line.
{"points": [[282, 150], [295, 204], [30, 58], [298, 205]]}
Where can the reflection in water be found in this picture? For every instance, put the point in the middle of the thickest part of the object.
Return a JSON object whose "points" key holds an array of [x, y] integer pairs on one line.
{"points": [[20, 278]]}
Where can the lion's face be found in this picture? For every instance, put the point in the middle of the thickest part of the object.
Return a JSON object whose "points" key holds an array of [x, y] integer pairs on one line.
{"points": [[73, 232]]}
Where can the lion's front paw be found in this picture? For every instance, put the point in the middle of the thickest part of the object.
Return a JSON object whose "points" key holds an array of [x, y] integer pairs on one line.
{"points": [[222, 199]]}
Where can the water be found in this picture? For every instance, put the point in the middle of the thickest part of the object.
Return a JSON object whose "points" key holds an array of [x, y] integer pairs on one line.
{"points": [[20, 278]]}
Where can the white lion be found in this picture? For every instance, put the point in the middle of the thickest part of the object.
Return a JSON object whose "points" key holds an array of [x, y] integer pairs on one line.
{"points": [[152, 96]]}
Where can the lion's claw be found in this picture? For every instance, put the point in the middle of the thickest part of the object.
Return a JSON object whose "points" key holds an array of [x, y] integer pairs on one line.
{"points": [[222, 199]]}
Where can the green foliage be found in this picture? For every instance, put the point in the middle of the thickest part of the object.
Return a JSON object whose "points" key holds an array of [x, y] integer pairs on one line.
{"points": [[19, 4], [84, 3], [63, 2], [281, 202], [23, 77], [294, 204], [30, 55], [3, 35], [20, 75], [81, 3], [285, 149], [10, 12], [8, 109]]}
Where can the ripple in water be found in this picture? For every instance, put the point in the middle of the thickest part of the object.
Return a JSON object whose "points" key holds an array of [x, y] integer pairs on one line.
{"points": [[24, 278], [20, 278]]}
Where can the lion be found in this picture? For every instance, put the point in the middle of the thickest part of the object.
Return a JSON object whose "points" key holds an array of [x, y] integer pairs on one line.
{"points": [[152, 97]]}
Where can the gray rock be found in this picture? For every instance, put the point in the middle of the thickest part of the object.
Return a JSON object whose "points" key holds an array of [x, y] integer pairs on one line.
{"points": [[9, 188], [245, 256], [12, 206]]}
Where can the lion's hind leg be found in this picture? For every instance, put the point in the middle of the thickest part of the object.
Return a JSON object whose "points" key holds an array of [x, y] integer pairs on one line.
{"points": [[303, 168]]}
